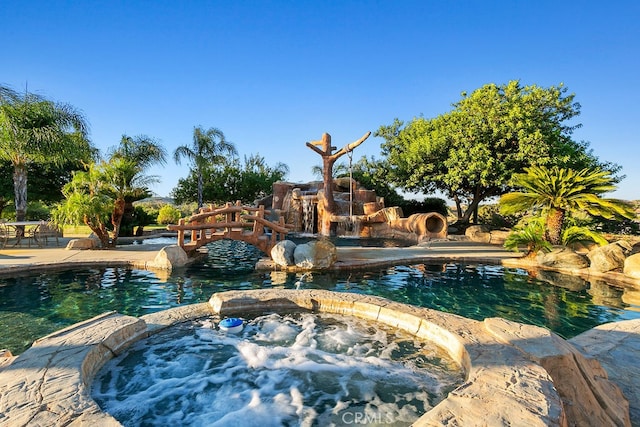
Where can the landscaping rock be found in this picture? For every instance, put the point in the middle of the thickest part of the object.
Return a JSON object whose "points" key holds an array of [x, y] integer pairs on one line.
{"points": [[317, 254], [632, 266], [170, 257], [82, 244], [478, 233], [562, 258], [498, 237], [609, 257], [282, 253]]}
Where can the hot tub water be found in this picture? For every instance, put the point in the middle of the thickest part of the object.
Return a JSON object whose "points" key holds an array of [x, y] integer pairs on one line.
{"points": [[299, 369]]}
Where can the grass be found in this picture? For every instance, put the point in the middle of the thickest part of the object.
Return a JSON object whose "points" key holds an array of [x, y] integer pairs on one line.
{"points": [[82, 231], [76, 231]]}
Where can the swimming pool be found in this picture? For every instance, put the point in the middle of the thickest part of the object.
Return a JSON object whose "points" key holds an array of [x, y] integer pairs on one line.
{"points": [[35, 305]]}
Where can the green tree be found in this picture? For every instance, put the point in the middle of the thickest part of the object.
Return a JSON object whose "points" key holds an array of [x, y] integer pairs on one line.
{"points": [[230, 180], [144, 152], [168, 215], [45, 184], [207, 148], [373, 175], [86, 202], [34, 130], [555, 192], [471, 152], [339, 170], [6, 187], [257, 178], [97, 196]]}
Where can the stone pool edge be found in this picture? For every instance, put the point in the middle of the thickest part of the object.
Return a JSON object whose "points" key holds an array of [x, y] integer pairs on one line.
{"points": [[516, 374]]}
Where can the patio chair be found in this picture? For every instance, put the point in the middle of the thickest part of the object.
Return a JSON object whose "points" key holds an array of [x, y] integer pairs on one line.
{"points": [[47, 230], [6, 234]]}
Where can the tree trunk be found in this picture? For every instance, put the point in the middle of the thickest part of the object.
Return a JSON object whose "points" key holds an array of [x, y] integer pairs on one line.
{"points": [[20, 191], [128, 219], [329, 202], [116, 220], [200, 189], [470, 210], [555, 221], [101, 233], [458, 207]]}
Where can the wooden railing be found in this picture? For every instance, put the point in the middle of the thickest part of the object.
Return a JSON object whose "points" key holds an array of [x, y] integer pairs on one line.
{"points": [[231, 221]]}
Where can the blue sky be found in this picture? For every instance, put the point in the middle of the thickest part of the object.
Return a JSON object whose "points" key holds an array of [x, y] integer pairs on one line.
{"points": [[275, 74]]}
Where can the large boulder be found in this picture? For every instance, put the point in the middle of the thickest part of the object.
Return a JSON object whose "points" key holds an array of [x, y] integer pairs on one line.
{"points": [[82, 244], [478, 233], [317, 254], [498, 237], [609, 257], [282, 253], [632, 266], [562, 258], [170, 257]]}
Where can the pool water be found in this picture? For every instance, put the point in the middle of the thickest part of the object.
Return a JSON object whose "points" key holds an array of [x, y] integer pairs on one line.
{"points": [[282, 369], [35, 305]]}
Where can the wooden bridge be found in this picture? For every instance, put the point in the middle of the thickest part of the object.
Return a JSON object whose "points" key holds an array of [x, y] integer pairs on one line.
{"points": [[231, 221]]}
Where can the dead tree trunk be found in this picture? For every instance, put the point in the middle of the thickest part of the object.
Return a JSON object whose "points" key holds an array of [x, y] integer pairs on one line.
{"points": [[328, 160]]}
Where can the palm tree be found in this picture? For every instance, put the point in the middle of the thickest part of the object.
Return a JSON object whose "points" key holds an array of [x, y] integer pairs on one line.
{"points": [[125, 182], [141, 152], [86, 202], [142, 149], [557, 191], [97, 196], [208, 146], [36, 130]]}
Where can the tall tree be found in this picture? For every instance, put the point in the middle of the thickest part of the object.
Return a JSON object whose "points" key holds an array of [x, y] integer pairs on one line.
{"points": [[471, 152], [143, 152], [230, 181], [97, 196], [6, 189], [87, 203], [208, 147], [36, 130], [555, 192]]}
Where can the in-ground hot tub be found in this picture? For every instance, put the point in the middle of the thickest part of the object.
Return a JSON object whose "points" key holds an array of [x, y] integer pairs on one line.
{"points": [[282, 369]]}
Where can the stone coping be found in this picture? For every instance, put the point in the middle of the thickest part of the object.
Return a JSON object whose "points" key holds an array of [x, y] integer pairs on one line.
{"points": [[515, 374]]}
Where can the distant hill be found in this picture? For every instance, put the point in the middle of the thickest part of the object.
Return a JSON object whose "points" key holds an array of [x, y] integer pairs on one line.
{"points": [[156, 201]]}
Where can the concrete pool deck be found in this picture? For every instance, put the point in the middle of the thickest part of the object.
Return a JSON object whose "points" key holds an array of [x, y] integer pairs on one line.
{"points": [[616, 346]]}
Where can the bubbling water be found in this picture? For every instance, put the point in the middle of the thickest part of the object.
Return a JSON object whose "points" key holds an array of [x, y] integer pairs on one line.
{"points": [[293, 370]]}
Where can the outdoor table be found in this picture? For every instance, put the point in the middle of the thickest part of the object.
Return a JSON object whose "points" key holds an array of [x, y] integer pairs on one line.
{"points": [[19, 230]]}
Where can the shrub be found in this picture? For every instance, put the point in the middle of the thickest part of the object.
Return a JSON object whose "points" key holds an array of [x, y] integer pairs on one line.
{"points": [[169, 214], [490, 215], [577, 234], [430, 204], [530, 235]]}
